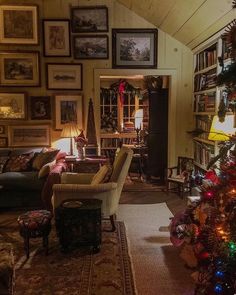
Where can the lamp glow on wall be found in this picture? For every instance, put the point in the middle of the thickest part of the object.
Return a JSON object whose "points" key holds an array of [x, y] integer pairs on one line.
{"points": [[70, 130], [221, 131]]}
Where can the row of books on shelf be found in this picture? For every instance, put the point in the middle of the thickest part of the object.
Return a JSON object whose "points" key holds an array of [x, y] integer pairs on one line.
{"points": [[115, 142], [205, 81], [204, 124], [205, 102], [203, 153], [206, 59]]}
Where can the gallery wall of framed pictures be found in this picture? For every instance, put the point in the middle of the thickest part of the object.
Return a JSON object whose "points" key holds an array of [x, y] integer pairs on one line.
{"points": [[42, 61]]}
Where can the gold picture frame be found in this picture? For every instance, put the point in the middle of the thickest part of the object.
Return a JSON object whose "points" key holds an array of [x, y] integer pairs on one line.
{"points": [[19, 68], [29, 135], [19, 24]]}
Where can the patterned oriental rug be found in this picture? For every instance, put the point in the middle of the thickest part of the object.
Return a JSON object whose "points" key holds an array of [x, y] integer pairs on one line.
{"points": [[79, 272]]}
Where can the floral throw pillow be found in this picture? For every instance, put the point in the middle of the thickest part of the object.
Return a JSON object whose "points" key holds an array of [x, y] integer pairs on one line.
{"points": [[19, 163]]}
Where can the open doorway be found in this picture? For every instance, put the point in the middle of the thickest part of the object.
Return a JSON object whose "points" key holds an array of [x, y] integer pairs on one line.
{"points": [[168, 96]]}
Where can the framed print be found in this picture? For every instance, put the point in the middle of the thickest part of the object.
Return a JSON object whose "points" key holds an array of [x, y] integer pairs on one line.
{"points": [[12, 106], [64, 76], [89, 19], [29, 135], [3, 142], [19, 69], [2, 129], [68, 108], [56, 33], [40, 108], [134, 48], [19, 24], [90, 47]]}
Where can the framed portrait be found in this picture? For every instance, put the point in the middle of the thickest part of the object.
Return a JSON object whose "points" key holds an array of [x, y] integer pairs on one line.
{"points": [[3, 142], [134, 48], [64, 76], [40, 108], [2, 129], [56, 34], [19, 69], [29, 135], [19, 24], [12, 106], [89, 19], [90, 47], [68, 108]]}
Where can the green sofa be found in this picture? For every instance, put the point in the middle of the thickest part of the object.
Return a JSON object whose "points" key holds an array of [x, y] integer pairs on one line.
{"points": [[23, 188]]}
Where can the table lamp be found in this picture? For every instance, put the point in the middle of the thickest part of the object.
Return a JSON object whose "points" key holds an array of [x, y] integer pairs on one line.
{"points": [[70, 130], [138, 122], [222, 131]]}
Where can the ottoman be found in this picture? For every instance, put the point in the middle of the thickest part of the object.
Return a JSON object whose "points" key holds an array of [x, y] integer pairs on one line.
{"points": [[78, 223], [35, 224]]}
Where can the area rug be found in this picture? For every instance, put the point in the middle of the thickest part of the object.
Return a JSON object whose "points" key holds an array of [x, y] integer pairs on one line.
{"points": [[79, 272], [158, 269], [137, 185]]}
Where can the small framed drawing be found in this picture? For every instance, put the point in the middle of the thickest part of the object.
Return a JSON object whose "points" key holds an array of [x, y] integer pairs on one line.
{"points": [[64, 76], [56, 34], [89, 19], [3, 142], [12, 106], [134, 48], [40, 108], [29, 135], [19, 24], [19, 69], [90, 47], [68, 108], [2, 129]]}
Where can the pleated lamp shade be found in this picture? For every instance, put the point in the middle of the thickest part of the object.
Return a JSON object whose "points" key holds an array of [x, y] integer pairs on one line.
{"points": [[70, 130]]}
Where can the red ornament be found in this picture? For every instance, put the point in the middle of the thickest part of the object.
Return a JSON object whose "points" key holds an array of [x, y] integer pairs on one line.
{"points": [[203, 255], [209, 195]]}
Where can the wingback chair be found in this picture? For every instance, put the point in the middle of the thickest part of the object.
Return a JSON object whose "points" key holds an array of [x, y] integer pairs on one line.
{"points": [[78, 186]]}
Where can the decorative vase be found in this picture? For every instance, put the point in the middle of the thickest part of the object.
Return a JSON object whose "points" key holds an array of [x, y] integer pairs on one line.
{"points": [[80, 152]]}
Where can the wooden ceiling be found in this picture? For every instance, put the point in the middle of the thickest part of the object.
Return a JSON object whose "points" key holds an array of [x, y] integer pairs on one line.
{"points": [[189, 21]]}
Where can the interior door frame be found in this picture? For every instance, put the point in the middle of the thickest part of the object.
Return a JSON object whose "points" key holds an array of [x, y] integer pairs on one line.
{"points": [[123, 73]]}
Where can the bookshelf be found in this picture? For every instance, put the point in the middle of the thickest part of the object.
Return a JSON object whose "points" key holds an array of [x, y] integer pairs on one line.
{"points": [[205, 102]]}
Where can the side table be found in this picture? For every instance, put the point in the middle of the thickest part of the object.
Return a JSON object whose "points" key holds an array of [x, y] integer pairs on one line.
{"points": [[78, 223], [86, 165]]}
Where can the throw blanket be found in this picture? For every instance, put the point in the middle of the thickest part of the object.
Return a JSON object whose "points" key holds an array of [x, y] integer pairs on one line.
{"points": [[53, 178]]}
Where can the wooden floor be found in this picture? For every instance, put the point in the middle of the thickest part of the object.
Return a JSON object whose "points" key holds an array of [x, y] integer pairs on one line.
{"points": [[145, 193]]}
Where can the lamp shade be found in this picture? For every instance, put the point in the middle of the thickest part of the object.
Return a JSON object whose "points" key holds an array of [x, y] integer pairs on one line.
{"points": [[221, 131], [70, 130], [138, 118]]}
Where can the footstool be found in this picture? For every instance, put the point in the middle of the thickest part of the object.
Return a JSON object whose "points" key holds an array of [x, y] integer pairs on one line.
{"points": [[78, 223], [35, 224]]}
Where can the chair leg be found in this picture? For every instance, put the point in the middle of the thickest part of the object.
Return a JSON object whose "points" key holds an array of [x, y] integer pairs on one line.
{"points": [[112, 220]]}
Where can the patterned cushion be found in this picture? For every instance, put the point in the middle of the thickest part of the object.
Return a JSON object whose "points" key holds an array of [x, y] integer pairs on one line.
{"points": [[3, 161], [45, 169], [44, 157], [19, 163], [100, 175]]}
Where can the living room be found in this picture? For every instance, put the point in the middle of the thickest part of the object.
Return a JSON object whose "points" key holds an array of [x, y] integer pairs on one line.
{"points": [[83, 83]]}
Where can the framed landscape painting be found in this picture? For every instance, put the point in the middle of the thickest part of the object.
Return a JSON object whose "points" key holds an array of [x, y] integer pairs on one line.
{"points": [[69, 108], [56, 34], [19, 69], [64, 76], [89, 19], [29, 135], [12, 106], [40, 108], [134, 48], [91, 47], [19, 24]]}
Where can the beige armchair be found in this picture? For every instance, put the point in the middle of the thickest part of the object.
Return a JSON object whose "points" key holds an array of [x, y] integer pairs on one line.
{"points": [[78, 186]]}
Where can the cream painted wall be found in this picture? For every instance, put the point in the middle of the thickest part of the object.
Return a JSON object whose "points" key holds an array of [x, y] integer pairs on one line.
{"points": [[171, 55]]}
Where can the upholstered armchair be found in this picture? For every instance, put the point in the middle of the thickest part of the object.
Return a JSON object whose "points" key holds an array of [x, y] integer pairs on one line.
{"points": [[85, 186]]}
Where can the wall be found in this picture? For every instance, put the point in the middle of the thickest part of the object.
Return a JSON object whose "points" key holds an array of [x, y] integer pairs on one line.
{"points": [[171, 55]]}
